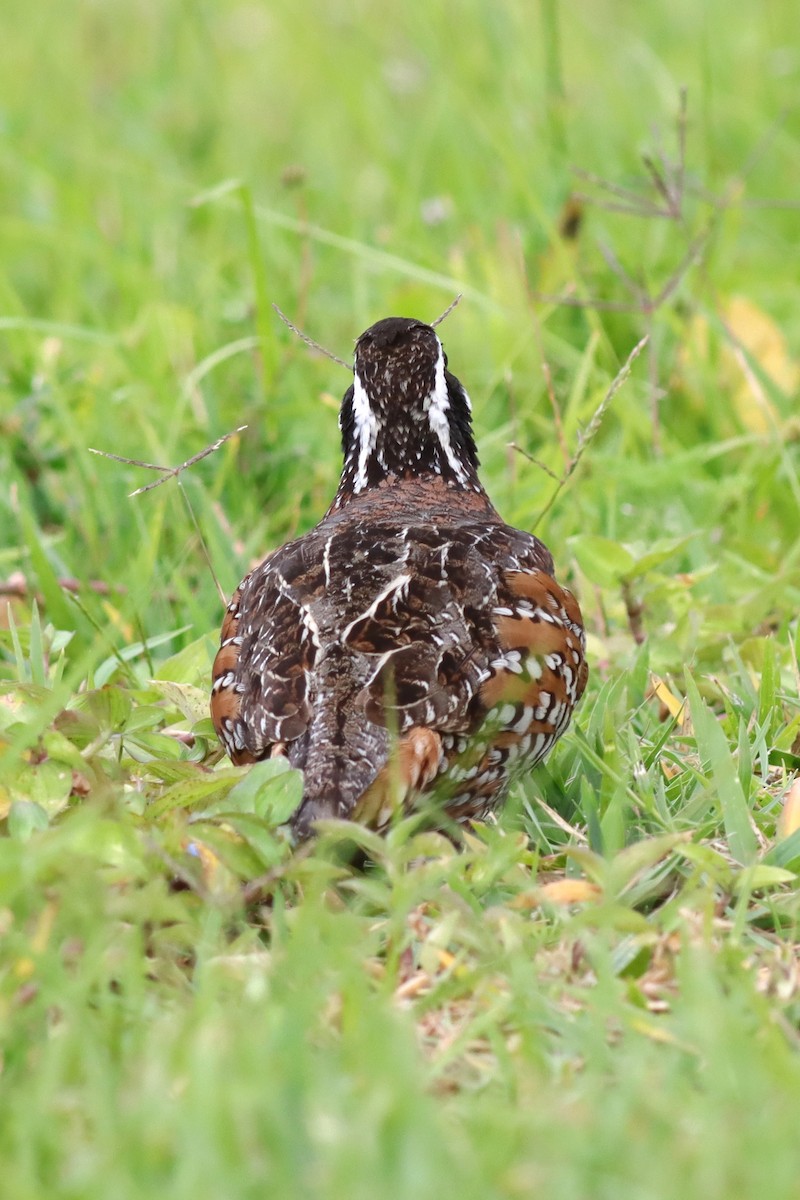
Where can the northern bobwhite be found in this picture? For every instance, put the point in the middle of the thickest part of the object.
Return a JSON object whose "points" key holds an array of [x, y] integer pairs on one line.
{"points": [[411, 616]]}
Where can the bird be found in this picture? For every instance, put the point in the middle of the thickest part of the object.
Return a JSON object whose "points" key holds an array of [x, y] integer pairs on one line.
{"points": [[412, 648]]}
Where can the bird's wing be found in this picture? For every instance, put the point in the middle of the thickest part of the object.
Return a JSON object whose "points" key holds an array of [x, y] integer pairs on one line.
{"points": [[341, 640], [478, 660], [448, 632], [422, 635], [268, 651]]}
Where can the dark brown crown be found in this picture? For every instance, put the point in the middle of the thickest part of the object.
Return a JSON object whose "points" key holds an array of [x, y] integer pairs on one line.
{"points": [[404, 416]]}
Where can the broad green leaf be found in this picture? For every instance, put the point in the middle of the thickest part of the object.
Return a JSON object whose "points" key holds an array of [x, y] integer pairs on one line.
{"points": [[191, 665], [626, 865], [26, 818], [785, 853], [109, 706], [762, 875], [603, 561], [661, 551], [188, 700], [229, 847], [258, 834], [271, 789], [191, 793], [144, 747]]}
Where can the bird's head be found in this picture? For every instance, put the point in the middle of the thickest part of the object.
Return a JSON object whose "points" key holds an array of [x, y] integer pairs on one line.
{"points": [[405, 415]]}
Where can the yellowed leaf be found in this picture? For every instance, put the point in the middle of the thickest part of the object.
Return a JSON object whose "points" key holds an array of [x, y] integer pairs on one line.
{"points": [[760, 338], [44, 927], [209, 862], [670, 701], [752, 338], [789, 819], [192, 702], [658, 1032], [118, 621], [568, 891]]}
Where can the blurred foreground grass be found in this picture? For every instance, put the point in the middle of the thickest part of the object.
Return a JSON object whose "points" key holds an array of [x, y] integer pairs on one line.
{"points": [[600, 996]]}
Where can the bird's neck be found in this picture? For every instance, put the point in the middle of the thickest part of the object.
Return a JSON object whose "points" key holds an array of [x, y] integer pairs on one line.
{"points": [[391, 462], [429, 442]]}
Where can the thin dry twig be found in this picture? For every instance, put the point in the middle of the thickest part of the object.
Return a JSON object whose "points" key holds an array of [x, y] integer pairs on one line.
{"points": [[203, 546], [546, 371], [557, 819], [667, 179], [656, 393], [17, 585], [587, 435], [683, 123], [175, 473], [615, 266], [309, 341], [691, 258], [634, 610], [643, 302], [536, 462], [447, 311], [568, 301], [628, 201], [167, 472], [551, 396]]}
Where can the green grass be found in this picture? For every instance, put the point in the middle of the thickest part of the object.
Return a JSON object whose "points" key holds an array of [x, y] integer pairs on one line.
{"points": [[598, 997]]}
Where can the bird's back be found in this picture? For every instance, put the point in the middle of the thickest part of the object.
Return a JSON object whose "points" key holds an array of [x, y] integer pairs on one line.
{"points": [[411, 618]]}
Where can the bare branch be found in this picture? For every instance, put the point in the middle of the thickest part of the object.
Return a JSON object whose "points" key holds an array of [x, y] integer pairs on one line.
{"points": [[652, 379], [658, 178], [551, 395], [735, 185]]}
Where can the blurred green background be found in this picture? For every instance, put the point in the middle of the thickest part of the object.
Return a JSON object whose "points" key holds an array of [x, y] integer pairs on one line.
{"points": [[601, 997], [170, 169]]}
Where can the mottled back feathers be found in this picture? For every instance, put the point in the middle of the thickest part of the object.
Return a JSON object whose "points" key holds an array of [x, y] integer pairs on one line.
{"points": [[410, 616]]}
